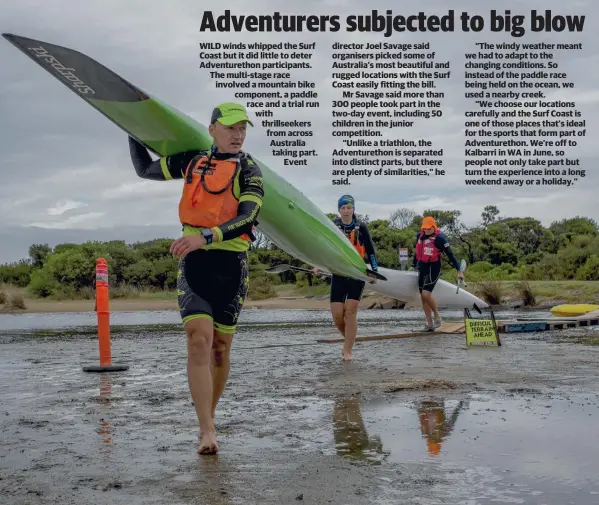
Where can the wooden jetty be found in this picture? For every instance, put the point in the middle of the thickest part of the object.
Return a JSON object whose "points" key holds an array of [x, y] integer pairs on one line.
{"points": [[457, 328], [523, 325]]}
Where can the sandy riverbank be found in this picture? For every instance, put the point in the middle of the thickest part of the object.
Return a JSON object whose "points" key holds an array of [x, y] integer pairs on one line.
{"points": [[136, 305]]}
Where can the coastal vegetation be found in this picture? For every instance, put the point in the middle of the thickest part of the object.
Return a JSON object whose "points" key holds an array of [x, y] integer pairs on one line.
{"points": [[514, 255]]}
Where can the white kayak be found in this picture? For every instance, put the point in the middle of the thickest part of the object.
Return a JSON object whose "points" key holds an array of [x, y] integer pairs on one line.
{"points": [[403, 286]]}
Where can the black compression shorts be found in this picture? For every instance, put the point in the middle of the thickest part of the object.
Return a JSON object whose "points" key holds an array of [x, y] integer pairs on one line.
{"points": [[344, 288], [221, 292], [428, 275]]}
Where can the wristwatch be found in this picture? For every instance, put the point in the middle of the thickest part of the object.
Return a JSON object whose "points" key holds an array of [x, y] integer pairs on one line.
{"points": [[207, 233]]}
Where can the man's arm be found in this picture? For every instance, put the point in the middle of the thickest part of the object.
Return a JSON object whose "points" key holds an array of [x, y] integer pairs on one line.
{"points": [[369, 245], [163, 169], [442, 244], [250, 201], [414, 262]]}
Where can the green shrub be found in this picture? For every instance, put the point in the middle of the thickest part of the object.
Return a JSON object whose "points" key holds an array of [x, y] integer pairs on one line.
{"points": [[590, 270]]}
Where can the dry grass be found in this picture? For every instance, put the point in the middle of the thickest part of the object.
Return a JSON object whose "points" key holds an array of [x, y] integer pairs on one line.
{"points": [[17, 302], [526, 293], [12, 298], [491, 292]]}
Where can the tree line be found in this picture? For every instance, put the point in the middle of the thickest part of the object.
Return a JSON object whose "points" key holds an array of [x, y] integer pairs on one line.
{"points": [[495, 248]]}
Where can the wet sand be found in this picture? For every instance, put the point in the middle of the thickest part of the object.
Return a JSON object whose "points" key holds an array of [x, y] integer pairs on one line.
{"points": [[413, 421]]}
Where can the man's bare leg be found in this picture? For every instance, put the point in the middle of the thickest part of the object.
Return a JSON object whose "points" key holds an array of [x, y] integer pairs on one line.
{"points": [[338, 313], [433, 306], [200, 335], [351, 328], [426, 296], [220, 365]]}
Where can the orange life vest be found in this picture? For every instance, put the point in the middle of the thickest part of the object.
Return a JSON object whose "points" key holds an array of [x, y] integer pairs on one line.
{"points": [[208, 199], [354, 238]]}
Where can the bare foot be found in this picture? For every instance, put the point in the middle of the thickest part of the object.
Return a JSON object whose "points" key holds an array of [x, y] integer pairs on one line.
{"points": [[347, 356], [201, 432], [208, 444]]}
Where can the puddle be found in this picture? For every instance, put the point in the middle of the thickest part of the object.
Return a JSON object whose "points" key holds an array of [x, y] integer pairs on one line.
{"points": [[526, 449], [350, 435]]}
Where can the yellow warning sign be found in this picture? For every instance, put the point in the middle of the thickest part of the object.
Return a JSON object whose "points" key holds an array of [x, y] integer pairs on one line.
{"points": [[481, 332]]}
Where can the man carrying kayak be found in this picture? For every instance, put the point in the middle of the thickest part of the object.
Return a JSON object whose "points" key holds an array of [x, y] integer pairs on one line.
{"points": [[346, 293], [221, 198], [430, 247]]}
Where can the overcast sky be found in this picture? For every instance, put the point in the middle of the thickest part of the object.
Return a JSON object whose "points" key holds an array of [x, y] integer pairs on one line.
{"points": [[67, 174]]}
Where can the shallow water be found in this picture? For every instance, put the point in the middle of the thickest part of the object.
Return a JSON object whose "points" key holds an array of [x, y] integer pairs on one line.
{"points": [[63, 320], [521, 449], [295, 421]]}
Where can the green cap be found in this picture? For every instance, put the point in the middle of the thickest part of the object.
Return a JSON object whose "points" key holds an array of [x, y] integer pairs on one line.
{"points": [[229, 113]]}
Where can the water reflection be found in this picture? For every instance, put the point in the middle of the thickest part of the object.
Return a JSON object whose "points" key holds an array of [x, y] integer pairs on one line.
{"points": [[215, 473], [103, 414], [351, 438], [434, 424]]}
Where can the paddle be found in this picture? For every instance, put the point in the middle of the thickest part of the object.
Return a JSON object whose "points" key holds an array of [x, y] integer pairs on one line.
{"points": [[278, 269], [460, 280]]}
